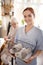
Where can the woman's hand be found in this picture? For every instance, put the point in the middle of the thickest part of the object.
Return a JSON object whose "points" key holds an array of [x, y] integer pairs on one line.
{"points": [[29, 60], [5, 38], [11, 40], [32, 57]]}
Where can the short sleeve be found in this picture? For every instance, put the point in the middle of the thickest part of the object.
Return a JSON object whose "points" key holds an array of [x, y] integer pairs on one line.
{"points": [[40, 41]]}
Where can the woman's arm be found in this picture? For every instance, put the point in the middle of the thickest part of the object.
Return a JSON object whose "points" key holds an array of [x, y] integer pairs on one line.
{"points": [[39, 45], [33, 56]]}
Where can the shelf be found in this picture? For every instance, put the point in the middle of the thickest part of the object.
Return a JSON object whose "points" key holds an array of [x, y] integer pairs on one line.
{"points": [[7, 8]]}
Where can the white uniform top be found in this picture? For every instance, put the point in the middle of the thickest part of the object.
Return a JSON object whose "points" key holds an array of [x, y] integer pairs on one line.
{"points": [[34, 39], [12, 32]]}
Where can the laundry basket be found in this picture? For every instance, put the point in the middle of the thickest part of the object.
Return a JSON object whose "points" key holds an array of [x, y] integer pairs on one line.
{"points": [[25, 45]]}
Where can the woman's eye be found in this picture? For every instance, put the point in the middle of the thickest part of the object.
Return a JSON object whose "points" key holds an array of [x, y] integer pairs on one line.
{"points": [[24, 16], [29, 16]]}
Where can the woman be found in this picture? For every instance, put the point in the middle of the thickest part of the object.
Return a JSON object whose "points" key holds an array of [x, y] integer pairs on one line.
{"points": [[30, 34], [13, 28], [10, 40]]}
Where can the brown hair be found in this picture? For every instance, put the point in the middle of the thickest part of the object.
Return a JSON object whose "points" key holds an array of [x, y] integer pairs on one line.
{"points": [[30, 9]]}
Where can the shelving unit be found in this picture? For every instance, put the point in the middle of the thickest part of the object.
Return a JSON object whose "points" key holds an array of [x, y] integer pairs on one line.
{"points": [[6, 6]]}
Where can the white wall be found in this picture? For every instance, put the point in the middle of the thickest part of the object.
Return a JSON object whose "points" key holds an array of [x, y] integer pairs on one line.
{"points": [[38, 7]]}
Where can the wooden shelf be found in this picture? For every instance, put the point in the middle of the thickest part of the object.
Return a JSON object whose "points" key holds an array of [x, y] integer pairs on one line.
{"points": [[7, 8]]}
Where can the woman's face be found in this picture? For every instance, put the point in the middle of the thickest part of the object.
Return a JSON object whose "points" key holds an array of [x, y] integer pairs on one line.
{"points": [[28, 17], [13, 24]]}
